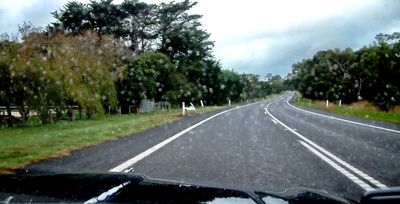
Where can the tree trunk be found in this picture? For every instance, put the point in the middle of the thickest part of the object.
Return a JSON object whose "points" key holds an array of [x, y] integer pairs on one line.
{"points": [[71, 114], [45, 116], [80, 112], [24, 112], [58, 114], [360, 81], [10, 117]]}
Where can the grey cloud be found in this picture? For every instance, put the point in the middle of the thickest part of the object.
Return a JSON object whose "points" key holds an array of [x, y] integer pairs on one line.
{"points": [[38, 12], [282, 47], [354, 30]]}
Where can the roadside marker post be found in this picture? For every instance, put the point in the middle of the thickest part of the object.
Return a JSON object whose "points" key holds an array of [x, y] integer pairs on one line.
{"points": [[340, 103], [229, 102], [201, 102], [327, 103], [183, 108]]}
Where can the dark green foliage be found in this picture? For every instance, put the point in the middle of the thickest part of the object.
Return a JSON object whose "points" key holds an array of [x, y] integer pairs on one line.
{"points": [[73, 17], [371, 73], [147, 77], [8, 51], [100, 55]]}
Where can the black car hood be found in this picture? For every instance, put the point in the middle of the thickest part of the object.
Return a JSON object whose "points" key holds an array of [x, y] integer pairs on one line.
{"points": [[129, 188]]}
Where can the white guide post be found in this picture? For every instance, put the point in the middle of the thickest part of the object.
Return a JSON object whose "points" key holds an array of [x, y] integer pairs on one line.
{"points": [[183, 108]]}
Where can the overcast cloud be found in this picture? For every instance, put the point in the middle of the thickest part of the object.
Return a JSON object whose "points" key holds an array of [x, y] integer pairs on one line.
{"points": [[259, 36]]}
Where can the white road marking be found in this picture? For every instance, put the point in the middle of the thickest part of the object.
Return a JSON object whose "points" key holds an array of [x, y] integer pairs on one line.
{"points": [[156, 147], [343, 120], [106, 194], [337, 159], [346, 173], [273, 120]]}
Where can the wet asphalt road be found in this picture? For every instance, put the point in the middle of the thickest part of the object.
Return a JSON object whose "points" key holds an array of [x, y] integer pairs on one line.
{"points": [[268, 146]]}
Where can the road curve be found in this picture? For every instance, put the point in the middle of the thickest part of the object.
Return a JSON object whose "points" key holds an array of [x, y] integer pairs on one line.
{"points": [[248, 148], [367, 148]]}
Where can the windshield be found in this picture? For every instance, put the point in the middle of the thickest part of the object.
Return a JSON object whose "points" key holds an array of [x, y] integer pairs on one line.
{"points": [[251, 95]]}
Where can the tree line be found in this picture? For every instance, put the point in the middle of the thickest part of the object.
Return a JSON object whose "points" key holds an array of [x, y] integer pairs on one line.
{"points": [[100, 55], [371, 73]]}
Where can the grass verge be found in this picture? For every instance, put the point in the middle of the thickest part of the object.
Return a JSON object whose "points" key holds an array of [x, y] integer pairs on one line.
{"points": [[361, 109], [21, 146]]}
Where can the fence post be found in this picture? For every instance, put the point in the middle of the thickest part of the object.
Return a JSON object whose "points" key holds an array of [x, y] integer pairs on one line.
{"points": [[183, 108]]}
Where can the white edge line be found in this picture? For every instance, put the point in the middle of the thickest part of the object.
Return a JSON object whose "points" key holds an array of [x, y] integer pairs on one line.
{"points": [[156, 147], [346, 173], [343, 120], [354, 169]]}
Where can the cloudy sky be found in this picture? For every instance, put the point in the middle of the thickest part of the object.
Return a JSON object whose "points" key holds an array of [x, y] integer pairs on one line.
{"points": [[259, 36]]}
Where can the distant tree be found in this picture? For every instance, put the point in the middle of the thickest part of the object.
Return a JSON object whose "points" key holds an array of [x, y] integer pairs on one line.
{"points": [[369, 73], [231, 86], [72, 18], [105, 17], [57, 71], [171, 20], [188, 46], [147, 77], [8, 52], [102, 17], [251, 86], [383, 64], [27, 28], [276, 84], [139, 25], [328, 75], [182, 89]]}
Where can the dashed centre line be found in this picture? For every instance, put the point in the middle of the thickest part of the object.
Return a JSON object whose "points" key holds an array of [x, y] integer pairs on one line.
{"points": [[331, 159]]}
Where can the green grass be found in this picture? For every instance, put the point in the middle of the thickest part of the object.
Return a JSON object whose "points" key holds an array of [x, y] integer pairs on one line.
{"points": [[20, 146], [362, 109]]}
